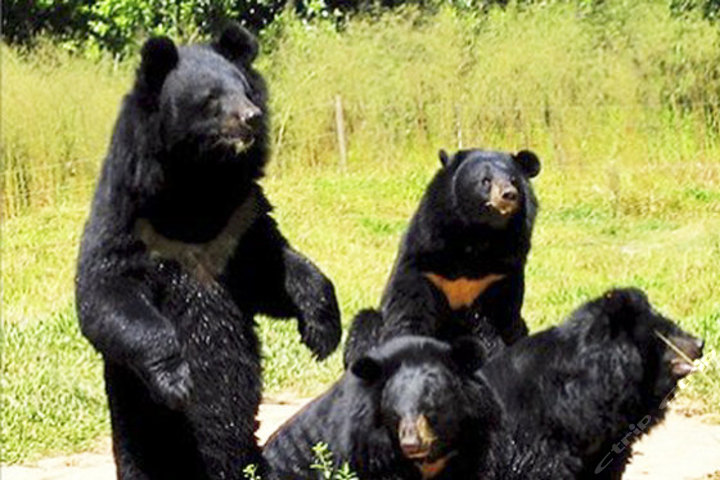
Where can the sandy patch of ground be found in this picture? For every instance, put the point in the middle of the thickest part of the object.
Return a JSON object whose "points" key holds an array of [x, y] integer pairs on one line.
{"points": [[682, 448]]}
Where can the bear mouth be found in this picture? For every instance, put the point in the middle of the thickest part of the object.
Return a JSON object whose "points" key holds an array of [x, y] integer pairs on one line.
{"points": [[431, 467], [681, 368], [238, 143], [503, 207], [686, 350], [241, 145], [416, 453], [237, 139]]}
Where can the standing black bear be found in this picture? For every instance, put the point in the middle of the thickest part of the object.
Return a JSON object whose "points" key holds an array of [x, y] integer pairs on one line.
{"points": [[461, 264], [414, 408], [179, 253], [577, 396]]}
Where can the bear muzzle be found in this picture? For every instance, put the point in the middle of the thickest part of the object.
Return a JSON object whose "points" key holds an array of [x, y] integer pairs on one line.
{"points": [[241, 126], [686, 350], [416, 437], [504, 198]]}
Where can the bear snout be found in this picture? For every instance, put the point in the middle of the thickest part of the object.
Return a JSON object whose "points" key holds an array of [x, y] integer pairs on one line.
{"points": [[251, 117], [416, 437], [686, 350], [240, 113], [509, 194], [241, 125], [504, 197]]}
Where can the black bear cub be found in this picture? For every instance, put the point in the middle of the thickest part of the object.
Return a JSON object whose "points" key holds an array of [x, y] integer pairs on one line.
{"points": [[577, 396], [461, 264], [410, 409], [178, 255]]}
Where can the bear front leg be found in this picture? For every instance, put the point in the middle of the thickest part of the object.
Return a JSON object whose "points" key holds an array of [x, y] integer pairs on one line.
{"points": [[502, 305], [411, 305], [270, 277], [121, 323], [313, 295], [363, 335]]}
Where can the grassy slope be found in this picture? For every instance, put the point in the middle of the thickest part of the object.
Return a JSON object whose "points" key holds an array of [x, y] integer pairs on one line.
{"points": [[630, 191]]}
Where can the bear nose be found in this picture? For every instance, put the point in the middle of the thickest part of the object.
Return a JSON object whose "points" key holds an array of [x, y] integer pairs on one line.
{"points": [[412, 450], [690, 346], [252, 117], [415, 436], [407, 429], [697, 352], [510, 194]]}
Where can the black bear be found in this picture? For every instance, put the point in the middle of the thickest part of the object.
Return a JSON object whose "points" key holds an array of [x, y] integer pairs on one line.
{"points": [[460, 267], [412, 408], [177, 256], [577, 396]]}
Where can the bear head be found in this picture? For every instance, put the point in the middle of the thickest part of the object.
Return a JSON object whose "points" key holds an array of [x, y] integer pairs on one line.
{"points": [[490, 187], [431, 403], [624, 317], [208, 101]]}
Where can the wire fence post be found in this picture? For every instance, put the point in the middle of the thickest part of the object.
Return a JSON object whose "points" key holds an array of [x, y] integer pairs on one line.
{"points": [[340, 127], [458, 127]]}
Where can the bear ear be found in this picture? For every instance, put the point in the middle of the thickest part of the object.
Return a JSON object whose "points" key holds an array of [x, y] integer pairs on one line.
{"points": [[367, 368], [529, 162], [444, 158], [468, 354], [623, 307], [237, 44], [159, 56]]}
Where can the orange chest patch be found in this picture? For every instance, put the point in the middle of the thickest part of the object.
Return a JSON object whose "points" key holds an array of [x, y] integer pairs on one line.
{"points": [[462, 291], [431, 470]]}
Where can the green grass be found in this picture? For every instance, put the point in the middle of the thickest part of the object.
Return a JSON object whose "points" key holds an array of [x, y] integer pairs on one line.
{"points": [[618, 104], [52, 397]]}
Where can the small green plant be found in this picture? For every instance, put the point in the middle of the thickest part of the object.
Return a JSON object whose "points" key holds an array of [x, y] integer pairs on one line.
{"points": [[323, 460], [325, 465], [250, 472]]}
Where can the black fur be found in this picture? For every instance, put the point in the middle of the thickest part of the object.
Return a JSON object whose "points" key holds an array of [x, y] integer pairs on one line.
{"points": [[456, 233], [360, 416], [179, 254], [577, 396]]}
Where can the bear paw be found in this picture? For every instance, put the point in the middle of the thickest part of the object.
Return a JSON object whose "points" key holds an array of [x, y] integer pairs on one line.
{"points": [[320, 328]]}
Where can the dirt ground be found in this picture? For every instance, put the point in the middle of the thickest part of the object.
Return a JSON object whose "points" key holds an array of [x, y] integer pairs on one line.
{"points": [[682, 448]]}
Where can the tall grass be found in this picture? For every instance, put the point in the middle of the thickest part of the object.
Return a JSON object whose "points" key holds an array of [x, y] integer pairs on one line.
{"points": [[569, 83], [595, 85], [57, 111], [620, 102]]}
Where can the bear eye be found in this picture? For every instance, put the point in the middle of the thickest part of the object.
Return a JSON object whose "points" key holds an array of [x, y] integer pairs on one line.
{"points": [[211, 100], [212, 95], [486, 181]]}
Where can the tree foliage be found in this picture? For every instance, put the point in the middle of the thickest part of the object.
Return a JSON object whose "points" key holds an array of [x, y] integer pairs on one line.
{"points": [[117, 26], [710, 9], [23, 20]]}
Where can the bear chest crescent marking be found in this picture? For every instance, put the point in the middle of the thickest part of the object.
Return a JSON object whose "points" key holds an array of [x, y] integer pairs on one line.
{"points": [[431, 470], [462, 291], [205, 260]]}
